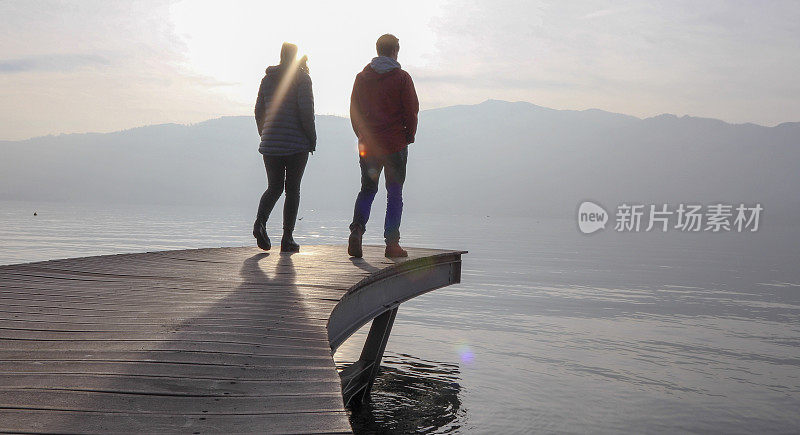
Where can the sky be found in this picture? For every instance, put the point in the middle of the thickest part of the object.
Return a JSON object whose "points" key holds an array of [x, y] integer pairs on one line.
{"points": [[106, 65]]}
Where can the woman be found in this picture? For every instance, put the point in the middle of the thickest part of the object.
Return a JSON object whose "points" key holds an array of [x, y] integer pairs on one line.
{"points": [[285, 120]]}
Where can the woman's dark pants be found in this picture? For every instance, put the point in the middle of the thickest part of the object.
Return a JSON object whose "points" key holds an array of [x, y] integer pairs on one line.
{"points": [[371, 166], [283, 173]]}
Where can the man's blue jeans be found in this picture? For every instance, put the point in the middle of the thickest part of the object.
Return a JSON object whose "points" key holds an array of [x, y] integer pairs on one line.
{"points": [[371, 167]]}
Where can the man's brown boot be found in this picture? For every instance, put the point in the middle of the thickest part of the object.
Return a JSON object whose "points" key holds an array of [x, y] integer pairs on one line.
{"points": [[393, 250], [354, 242]]}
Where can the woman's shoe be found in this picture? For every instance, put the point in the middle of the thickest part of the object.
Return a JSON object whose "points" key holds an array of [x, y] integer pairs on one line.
{"points": [[260, 233], [288, 244]]}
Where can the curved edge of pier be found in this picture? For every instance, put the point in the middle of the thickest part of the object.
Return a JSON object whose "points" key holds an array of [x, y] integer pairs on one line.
{"points": [[377, 298]]}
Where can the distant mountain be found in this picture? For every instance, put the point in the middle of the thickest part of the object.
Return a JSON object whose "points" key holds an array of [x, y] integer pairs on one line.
{"points": [[496, 158]]}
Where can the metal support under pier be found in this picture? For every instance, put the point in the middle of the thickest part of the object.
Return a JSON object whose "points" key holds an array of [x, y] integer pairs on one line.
{"points": [[358, 377]]}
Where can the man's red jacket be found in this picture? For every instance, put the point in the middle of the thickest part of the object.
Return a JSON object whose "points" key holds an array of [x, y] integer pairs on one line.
{"points": [[383, 111]]}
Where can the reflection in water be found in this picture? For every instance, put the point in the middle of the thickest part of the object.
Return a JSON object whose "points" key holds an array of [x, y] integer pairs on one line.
{"points": [[411, 395]]}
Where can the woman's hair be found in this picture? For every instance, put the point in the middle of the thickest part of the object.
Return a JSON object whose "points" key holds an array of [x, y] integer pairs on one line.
{"points": [[303, 64], [288, 53]]}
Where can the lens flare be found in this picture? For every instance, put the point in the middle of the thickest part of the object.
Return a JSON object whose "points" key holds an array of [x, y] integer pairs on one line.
{"points": [[280, 92], [465, 353]]}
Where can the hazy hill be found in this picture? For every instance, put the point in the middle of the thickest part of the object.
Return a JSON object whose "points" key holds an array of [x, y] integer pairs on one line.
{"points": [[492, 158]]}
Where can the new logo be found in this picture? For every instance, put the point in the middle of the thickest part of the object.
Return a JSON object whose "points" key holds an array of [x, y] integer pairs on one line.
{"points": [[591, 217]]}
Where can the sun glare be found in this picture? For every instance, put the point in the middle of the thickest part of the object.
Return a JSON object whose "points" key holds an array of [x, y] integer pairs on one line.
{"points": [[231, 43]]}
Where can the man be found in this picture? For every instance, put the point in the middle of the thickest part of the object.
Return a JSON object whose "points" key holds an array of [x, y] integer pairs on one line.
{"points": [[383, 111]]}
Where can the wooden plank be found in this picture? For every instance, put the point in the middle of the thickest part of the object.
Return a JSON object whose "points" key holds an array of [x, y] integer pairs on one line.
{"points": [[27, 421], [162, 356], [165, 345], [167, 385], [155, 403]]}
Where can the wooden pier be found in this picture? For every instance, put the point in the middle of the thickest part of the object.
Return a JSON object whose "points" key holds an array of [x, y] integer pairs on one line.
{"points": [[199, 341]]}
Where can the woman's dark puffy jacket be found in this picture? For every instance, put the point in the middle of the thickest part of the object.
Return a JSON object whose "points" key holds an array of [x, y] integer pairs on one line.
{"points": [[286, 126]]}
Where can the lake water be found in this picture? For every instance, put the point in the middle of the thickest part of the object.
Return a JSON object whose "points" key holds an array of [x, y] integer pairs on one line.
{"points": [[550, 330]]}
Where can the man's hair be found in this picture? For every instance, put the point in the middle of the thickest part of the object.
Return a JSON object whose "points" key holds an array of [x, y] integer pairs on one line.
{"points": [[288, 53], [387, 45]]}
